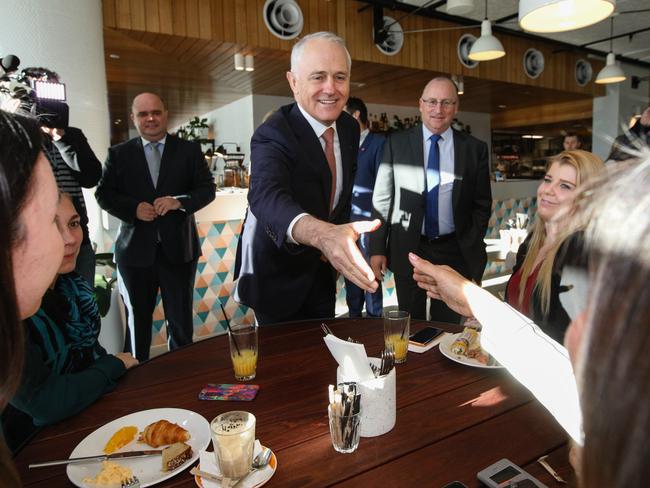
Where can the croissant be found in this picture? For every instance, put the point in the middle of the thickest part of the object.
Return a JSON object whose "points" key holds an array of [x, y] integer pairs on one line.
{"points": [[162, 433]]}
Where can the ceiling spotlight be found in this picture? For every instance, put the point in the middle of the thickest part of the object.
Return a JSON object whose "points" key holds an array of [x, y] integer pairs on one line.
{"points": [[562, 15], [250, 62], [239, 62], [460, 83]]}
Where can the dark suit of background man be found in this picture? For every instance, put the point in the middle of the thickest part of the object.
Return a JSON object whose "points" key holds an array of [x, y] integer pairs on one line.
{"points": [[154, 183], [433, 197], [370, 151], [303, 162]]}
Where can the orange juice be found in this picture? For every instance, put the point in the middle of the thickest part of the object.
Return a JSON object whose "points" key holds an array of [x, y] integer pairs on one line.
{"points": [[244, 364], [400, 346]]}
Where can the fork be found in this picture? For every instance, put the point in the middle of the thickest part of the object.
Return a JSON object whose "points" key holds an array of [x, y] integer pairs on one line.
{"points": [[326, 330], [132, 482]]}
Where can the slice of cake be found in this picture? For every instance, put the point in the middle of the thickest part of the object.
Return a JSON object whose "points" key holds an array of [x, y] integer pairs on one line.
{"points": [[175, 455]]}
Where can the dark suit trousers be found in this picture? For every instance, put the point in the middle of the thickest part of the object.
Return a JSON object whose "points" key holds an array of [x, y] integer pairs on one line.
{"points": [[413, 299], [176, 283], [319, 304]]}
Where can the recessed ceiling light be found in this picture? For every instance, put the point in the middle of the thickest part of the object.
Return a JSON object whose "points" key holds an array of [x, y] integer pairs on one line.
{"points": [[502, 106], [114, 56]]}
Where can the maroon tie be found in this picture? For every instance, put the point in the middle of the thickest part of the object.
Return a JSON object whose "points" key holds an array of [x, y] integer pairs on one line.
{"points": [[328, 137]]}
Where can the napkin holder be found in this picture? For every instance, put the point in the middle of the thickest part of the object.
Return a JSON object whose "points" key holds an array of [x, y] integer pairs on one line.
{"points": [[378, 401]]}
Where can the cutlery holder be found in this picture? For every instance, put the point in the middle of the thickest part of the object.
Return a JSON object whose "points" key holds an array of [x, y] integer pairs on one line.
{"points": [[378, 401]]}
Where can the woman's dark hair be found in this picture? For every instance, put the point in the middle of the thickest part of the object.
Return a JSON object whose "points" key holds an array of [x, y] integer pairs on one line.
{"points": [[614, 367], [20, 145]]}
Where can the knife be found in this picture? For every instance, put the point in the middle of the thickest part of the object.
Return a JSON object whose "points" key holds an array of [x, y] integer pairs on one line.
{"points": [[101, 457]]}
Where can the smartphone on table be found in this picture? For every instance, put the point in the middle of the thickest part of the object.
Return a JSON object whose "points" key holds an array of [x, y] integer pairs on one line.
{"points": [[424, 336]]}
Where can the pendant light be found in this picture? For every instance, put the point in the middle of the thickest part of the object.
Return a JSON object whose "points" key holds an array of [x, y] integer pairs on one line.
{"points": [[612, 72], [487, 47], [562, 15]]}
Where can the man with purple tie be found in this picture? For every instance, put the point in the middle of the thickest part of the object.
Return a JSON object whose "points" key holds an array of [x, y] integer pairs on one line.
{"points": [[433, 198]]}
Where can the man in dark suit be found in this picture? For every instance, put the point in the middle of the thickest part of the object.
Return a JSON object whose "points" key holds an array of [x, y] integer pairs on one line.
{"points": [[303, 162], [433, 198], [154, 183], [370, 151]]}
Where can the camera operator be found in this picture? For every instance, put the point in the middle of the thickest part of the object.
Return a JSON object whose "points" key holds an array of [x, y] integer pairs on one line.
{"points": [[73, 162]]}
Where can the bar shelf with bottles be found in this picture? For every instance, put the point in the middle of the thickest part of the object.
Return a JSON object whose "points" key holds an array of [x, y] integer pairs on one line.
{"points": [[382, 123], [518, 156]]}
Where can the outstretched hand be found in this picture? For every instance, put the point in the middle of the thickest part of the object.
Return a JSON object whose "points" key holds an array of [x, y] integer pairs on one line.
{"points": [[338, 243], [442, 283]]}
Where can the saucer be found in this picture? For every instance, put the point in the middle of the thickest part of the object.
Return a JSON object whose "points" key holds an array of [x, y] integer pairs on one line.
{"points": [[254, 480]]}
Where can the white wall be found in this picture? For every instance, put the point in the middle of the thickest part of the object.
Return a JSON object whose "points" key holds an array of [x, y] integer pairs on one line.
{"points": [[263, 104], [233, 123], [613, 111]]}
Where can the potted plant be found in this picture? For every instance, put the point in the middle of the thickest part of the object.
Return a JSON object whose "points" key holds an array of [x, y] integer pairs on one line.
{"points": [[195, 130]]}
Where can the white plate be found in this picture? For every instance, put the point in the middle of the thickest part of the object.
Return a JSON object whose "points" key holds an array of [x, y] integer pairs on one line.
{"points": [[445, 349], [148, 469]]}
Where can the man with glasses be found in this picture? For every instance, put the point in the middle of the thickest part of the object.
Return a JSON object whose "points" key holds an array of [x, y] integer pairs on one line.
{"points": [[433, 198]]}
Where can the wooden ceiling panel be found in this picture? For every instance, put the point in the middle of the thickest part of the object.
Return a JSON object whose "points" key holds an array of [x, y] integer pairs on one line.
{"points": [[197, 75]]}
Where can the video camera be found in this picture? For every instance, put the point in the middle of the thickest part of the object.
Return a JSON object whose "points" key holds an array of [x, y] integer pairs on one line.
{"points": [[35, 91]]}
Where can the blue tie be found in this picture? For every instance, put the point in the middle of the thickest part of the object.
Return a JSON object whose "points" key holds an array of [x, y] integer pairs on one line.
{"points": [[432, 187]]}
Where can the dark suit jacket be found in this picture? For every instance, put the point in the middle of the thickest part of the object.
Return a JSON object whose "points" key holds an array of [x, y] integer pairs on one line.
{"points": [[399, 200], [368, 161], [126, 182], [289, 176]]}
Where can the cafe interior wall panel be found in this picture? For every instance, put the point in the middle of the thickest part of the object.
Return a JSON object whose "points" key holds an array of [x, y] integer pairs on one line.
{"points": [[214, 282]]}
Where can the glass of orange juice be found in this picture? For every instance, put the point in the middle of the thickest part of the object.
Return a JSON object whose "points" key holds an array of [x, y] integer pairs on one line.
{"points": [[396, 333], [243, 350]]}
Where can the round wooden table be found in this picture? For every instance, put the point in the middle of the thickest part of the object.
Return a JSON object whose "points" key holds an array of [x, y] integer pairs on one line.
{"points": [[452, 420]]}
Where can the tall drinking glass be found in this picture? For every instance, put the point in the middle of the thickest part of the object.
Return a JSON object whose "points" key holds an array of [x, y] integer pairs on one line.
{"points": [[233, 438], [243, 351], [396, 333]]}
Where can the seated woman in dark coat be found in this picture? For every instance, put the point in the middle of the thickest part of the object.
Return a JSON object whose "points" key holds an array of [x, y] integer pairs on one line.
{"points": [[534, 286], [66, 369]]}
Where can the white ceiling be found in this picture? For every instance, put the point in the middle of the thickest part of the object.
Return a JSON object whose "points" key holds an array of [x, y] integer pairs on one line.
{"points": [[637, 48]]}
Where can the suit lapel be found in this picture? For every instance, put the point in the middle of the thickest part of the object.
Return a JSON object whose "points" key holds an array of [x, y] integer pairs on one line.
{"points": [[460, 161], [416, 143], [312, 147], [348, 152], [171, 145], [140, 161]]}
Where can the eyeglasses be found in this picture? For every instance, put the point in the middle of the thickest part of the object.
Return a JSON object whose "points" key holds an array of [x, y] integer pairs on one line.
{"points": [[445, 103]]}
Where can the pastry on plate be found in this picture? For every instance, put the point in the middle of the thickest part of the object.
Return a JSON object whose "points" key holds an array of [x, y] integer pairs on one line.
{"points": [[162, 433], [175, 455]]}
